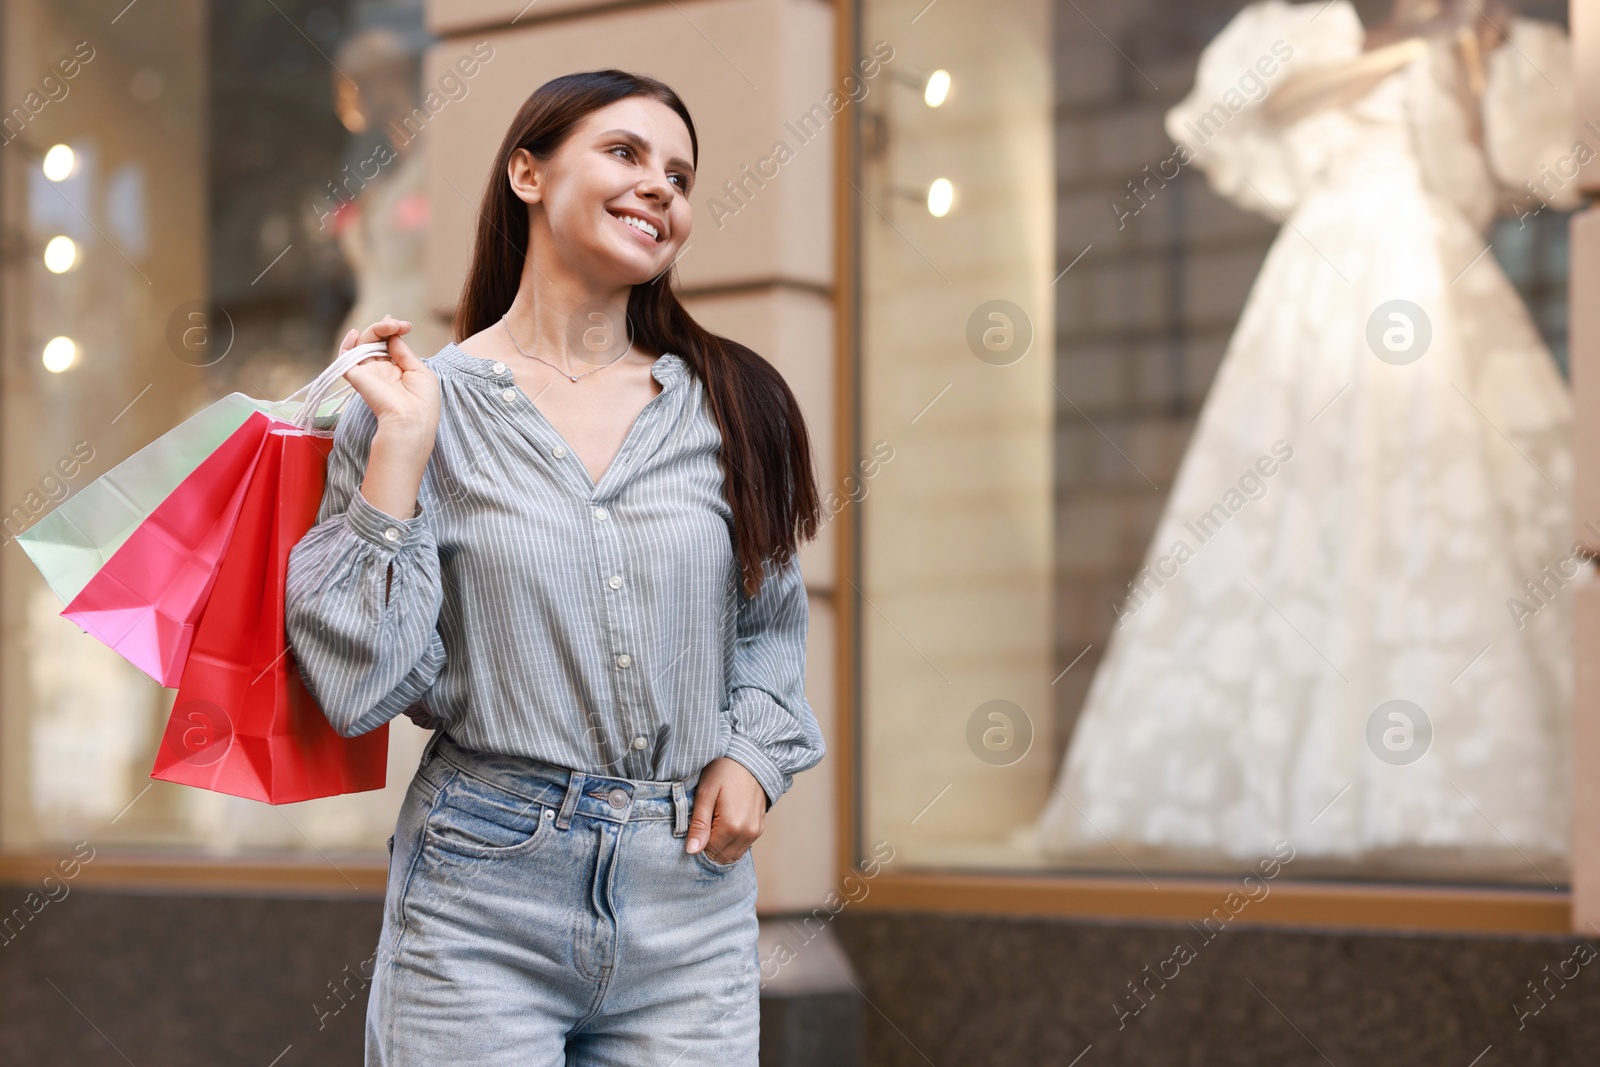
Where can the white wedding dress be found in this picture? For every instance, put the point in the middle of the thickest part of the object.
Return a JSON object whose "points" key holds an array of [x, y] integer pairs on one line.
{"points": [[1376, 563]]}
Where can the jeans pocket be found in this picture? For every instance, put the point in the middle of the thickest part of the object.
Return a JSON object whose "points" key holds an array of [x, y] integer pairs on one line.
{"points": [[716, 867], [479, 821]]}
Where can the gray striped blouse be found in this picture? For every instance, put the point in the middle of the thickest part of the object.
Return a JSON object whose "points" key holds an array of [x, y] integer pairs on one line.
{"points": [[535, 613]]}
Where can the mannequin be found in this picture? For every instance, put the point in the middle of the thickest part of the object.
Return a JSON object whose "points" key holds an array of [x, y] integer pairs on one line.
{"points": [[381, 217], [1392, 45]]}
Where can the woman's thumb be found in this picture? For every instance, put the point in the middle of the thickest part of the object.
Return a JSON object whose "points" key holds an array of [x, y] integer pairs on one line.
{"points": [[700, 820], [402, 355]]}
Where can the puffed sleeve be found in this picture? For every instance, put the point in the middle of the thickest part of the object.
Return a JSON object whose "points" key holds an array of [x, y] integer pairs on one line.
{"points": [[1221, 125], [1530, 114], [774, 732], [363, 595]]}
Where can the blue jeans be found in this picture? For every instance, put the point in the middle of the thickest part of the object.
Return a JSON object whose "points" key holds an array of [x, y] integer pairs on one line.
{"points": [[545, 917]]}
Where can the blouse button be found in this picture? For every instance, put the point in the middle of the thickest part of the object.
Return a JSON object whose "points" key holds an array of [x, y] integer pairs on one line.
{"points": [[600, 514], [509, 395], [624, 660], [615, 581], [639, 742], [559, 451], [392, 533], [499, 368]]}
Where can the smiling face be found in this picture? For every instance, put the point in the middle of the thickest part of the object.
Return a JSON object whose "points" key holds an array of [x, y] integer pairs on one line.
{"points": [[614, 197]]}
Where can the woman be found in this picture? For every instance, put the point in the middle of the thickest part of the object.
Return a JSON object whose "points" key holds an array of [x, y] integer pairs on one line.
{"points": [[571, 551]]}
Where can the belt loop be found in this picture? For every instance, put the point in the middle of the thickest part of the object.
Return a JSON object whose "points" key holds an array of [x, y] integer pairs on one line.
{"points": [[433, 743], [680, 810], [569, 803]]}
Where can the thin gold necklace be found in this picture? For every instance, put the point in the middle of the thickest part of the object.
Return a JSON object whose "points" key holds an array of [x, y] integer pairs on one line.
{"points": [[552, 366]]}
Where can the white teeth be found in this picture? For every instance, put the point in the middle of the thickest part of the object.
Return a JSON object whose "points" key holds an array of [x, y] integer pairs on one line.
{"points": [[640, 224]]}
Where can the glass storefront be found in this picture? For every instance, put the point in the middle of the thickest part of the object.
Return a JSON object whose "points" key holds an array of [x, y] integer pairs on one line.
{"points": [[1226, 511], [199, 199], [1214, 492]]}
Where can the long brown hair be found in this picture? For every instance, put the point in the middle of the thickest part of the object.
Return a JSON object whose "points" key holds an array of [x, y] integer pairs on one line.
{"points": [[766, 453]]}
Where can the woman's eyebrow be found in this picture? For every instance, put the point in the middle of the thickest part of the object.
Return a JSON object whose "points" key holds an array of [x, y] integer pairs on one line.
{"points": [[642, 143]]}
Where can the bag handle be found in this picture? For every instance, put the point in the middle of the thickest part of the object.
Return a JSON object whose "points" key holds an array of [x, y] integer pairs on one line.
{"points": [[328, 383]]}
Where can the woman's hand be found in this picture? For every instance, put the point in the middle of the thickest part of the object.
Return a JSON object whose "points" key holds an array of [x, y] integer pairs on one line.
{"points": [[399, 388], [730, 810], [404, 396]]}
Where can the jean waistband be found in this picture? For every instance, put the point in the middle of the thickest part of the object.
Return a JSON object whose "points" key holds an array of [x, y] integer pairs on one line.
{"points": [[570, 791]]}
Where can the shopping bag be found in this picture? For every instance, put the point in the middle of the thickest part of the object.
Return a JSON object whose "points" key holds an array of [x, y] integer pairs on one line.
{"points": [[137, 549], [78, 537], [72, 542], [243, 722], [144, 601]]}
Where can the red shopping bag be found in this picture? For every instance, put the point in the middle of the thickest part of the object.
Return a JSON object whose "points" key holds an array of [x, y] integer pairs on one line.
{"points": [[243, 722], [145, 600]]}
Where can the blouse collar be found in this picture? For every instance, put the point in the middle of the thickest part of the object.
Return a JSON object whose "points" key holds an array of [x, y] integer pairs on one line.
{"points": [[669, 368]]}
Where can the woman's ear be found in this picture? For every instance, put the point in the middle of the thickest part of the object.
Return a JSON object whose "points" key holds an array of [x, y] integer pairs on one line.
{"points": [[524, 173]]}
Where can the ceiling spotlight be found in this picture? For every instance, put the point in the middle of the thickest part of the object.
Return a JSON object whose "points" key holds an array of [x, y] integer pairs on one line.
{"points": [[58, 163], [60, 254], [937, 91], [59, 354], [941, 195]]}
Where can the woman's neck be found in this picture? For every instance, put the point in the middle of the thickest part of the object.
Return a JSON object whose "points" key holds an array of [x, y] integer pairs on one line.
{"points": [[561, 319]]}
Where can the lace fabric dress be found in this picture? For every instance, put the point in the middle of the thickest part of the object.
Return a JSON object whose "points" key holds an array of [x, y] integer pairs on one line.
{"points": [[1355, 529]]}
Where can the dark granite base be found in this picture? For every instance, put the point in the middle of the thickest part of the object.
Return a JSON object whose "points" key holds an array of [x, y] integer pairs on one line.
{"points": [[101, 978], [812, 1030], [186, 981], [107, 978], [979, 991]]}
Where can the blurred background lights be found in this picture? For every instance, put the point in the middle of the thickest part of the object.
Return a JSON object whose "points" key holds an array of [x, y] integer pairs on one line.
{"points": [[60, 254], [59, 354], [941, 194], [938, 88], [58, 163]]}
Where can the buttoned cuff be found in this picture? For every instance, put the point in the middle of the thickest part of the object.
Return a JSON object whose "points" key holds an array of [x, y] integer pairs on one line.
{"points": [[381, 528], [750, 756]]}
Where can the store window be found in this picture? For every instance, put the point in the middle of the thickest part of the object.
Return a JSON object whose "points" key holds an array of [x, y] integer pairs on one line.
{"points": [[1214, 360], [198, 199]]}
